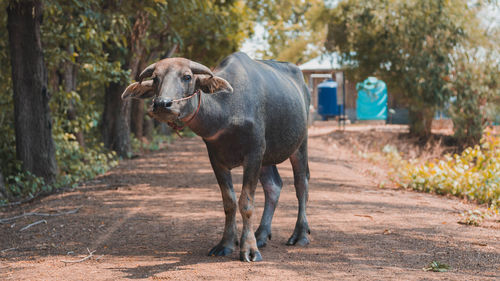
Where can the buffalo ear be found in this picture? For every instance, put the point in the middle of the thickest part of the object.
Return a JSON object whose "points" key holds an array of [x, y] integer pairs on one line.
{"points": [[138, 90], [214, 84]]}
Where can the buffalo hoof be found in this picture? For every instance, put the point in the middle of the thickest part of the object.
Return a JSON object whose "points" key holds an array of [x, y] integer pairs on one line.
{"points": [[262, 238], [299, 238], [301, 241], [261, 243], [220, 250], [250, 256]]}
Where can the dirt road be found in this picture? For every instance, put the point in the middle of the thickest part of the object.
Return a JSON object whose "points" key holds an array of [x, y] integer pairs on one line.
{"points": [[156, 217]]}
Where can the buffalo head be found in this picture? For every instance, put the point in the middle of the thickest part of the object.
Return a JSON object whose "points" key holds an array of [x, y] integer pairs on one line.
{"points": [[172, 80]]}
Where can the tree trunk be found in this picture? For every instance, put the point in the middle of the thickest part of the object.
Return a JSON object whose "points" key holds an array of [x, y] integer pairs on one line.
{"points": [[137, 118], [148, 127], [137, 108], [137, 105], [70, 73], [32, 120], [421, 122], [3, 191], [115, 120], [116, 116], [137, 38]]}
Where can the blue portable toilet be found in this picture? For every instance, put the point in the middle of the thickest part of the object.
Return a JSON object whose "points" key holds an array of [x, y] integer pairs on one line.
{"points": [[371, 103], [327, 99]]}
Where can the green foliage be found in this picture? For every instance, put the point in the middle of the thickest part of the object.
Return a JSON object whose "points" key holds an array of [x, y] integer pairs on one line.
{"points": [[77, 31], [408, 44], [77, 163], [25, 185], [294, 29], [436, 266], [474, 174], [205, 31], [474, 217], [475, 84], [215, 29]]}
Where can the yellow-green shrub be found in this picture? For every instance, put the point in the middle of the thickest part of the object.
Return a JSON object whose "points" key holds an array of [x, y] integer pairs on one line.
{"points": [[76, 163], [473, 174]]}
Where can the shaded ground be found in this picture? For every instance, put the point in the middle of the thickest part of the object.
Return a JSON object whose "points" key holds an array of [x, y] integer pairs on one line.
{"points": [[156, 217]]}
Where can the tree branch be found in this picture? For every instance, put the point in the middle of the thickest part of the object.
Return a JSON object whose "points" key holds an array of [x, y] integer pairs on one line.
{"points": [[33, 224]]}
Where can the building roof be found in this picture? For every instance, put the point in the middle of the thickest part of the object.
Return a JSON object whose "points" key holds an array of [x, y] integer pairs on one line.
{"points": [[324, 62]]}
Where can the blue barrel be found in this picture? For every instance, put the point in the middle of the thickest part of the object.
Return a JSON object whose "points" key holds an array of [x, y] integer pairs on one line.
{"points": [[327, 99]]}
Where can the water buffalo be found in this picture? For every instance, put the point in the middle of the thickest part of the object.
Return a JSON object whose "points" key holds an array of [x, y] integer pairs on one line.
{"points": [[248, 112]]}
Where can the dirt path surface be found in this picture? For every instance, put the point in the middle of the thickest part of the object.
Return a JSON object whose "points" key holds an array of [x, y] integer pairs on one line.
{"points": [[156, 217]]}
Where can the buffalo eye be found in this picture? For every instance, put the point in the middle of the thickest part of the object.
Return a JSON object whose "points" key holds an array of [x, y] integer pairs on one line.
{"points": [[155, 80], [186, 77]]}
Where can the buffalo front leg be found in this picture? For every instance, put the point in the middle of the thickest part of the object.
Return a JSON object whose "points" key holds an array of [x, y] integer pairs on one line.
{"points": [[301, 178], [272, 184], [229, 239], [248, 246]]}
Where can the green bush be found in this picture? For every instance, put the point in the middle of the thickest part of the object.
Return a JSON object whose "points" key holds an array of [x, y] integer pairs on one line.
{"points": [[474, 174], [77, 163], [475, 84], [25, 185]]}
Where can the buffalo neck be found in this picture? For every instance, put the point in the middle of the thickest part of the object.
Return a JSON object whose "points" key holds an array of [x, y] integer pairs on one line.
{"points": [[211, 116]]}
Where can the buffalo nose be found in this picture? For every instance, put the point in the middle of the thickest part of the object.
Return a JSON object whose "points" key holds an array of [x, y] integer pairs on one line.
{"points": [[162, 103]]}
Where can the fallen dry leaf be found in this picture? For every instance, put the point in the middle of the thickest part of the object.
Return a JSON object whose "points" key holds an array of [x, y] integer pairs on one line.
{"points": [[365, 216]]}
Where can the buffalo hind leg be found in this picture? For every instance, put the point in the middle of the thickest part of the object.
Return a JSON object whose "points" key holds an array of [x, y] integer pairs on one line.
{"points": [[272, 184], [301, 178], [229, 238]]}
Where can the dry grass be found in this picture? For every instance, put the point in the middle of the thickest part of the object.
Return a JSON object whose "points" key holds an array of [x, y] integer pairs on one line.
{"points": [[374, 140]]}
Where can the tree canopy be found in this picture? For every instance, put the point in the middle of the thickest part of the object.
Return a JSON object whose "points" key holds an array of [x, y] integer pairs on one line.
{"points": [[294, 29], [409, 44], [90, 46]]}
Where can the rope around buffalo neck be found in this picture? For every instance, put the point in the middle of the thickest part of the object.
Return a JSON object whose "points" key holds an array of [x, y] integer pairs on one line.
{"points": [[178, 128]]}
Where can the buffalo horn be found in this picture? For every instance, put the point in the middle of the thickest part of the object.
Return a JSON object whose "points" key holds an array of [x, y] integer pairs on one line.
{"points": [[198, 68]]}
